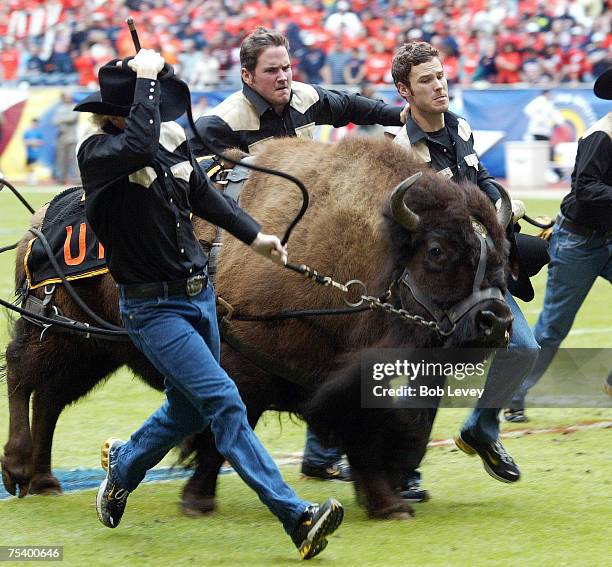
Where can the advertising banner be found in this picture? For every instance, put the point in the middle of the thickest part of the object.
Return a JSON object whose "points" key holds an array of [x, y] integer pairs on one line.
{"points": [[496, 115]]}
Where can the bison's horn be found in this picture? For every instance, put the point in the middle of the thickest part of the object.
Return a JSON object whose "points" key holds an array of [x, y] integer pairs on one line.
{"points": [[401, 213], [504, 214]]}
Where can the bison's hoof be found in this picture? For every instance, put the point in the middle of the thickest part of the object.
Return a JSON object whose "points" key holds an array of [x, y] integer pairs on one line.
{"points": [[15, 484], [46, 485], [397, 511], [197, 506], [400, 516]]}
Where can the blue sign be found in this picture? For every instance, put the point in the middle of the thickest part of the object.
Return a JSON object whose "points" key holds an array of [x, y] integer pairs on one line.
{"points": [[504, 110]]}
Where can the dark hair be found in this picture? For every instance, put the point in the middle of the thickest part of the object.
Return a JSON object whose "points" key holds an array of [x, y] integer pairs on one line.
{"points": [[257, 42], [408, 55]]}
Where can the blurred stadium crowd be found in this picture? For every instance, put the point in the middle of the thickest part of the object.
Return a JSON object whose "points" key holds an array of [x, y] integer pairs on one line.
{"points": [[61, 42]]}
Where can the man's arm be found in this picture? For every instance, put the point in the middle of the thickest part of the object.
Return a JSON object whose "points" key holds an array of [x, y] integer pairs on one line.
{"points": [[485, 181], [219, 209], [592, 164], [214, 130], [103, 156], [488, 184], [216, 207], [107, 157], [339, 108]]}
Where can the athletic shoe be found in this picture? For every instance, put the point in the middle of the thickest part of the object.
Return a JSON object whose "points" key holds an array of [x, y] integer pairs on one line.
{"points": [[413, 492], [497, 462], [111, 498], [337, 471], [317, 522], [515, 415]]}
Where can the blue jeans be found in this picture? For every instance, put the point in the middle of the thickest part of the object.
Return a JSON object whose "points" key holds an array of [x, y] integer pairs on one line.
{"points": [[575, 263], [317, 455], [179, 335], [505, 375]]}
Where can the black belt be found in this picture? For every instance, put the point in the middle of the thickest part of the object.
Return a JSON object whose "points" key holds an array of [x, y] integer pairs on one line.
{"points": [[187, 287], [581, 229]]}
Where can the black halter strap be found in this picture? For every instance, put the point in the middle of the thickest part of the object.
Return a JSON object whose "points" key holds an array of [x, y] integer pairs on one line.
{"points": [[450, 317]]}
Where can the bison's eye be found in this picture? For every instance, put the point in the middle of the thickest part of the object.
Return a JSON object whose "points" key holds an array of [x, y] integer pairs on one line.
{"points": [[435, 251]]}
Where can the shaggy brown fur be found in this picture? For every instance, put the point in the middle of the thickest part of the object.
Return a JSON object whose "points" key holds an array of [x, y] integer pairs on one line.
{"points": [[347, 233]]}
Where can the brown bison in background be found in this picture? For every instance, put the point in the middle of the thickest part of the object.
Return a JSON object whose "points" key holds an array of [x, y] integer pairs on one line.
{"points": [[305, 365]]}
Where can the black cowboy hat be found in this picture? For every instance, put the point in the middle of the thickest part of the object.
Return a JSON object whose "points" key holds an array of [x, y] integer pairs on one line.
{"points": [[603, 85], [116, 94], [530, 253]]}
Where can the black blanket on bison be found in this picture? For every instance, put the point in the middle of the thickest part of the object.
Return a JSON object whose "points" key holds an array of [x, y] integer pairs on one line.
{"points": [[73, 242]]}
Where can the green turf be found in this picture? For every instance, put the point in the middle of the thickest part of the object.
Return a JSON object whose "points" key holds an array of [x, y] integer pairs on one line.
{"points": [[559, 514]]}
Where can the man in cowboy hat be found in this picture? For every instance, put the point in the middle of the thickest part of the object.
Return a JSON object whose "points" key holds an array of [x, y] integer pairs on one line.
{"points": [[581, 241], [444, 141], [141, 182]]}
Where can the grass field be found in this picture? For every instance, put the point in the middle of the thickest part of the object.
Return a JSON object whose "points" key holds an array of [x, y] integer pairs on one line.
{"points": [[559, 514]]}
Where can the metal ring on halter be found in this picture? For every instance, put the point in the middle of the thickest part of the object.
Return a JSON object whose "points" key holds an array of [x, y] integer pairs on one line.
{"points": [[348, 285]]}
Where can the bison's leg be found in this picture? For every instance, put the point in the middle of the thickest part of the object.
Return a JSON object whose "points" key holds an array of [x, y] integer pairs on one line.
{"points": [[374, 490], [259, 391], [374, 485], [45, 413], [406, 440], [16, 462], [81, 369], [383, 462], [336, 416], [199, 493], [198, 498]]}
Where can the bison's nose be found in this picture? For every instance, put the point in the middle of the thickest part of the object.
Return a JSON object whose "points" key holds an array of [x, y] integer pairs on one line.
{"points": [[494, 326]]}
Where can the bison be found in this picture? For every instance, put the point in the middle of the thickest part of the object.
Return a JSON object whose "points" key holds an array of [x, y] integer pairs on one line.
{"points": [[356, 226]]}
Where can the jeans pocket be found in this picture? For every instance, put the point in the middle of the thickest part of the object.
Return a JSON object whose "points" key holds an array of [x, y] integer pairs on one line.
{"points": [[568, 240], [131, 309]]}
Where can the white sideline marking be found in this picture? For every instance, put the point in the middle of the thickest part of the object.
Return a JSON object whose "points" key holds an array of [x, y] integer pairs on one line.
{"points": [[590, 331], [525, 431], [295, 458]]}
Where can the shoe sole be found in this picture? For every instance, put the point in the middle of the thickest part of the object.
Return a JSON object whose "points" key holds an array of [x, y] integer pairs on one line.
{"points": [[327, 524], [496, 476], [99, 499], [106, 446], [469, 450], [461, 444], [516, 419]]}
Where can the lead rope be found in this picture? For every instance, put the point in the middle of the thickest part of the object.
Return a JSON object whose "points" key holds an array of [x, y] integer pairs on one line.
{"points": [[376, 303], [373, 303]]}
